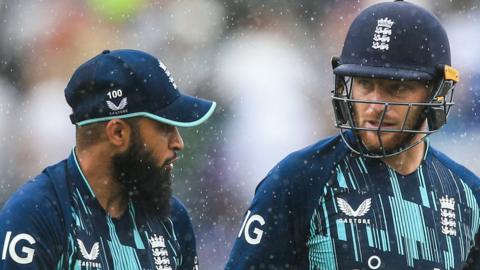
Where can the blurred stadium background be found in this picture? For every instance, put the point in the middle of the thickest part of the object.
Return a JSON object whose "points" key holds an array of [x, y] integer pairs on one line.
{"points": [[266, 63]]}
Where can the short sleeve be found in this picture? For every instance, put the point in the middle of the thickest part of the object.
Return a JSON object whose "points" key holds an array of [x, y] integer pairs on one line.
{"points": [[30, 230], [266, 238]]}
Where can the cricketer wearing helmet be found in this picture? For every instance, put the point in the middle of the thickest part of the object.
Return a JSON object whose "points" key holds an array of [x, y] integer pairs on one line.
{"points": [[377, 195]]}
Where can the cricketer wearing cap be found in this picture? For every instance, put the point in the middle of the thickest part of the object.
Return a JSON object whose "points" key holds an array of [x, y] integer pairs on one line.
{"points": [[109, 204], [378, 195]]}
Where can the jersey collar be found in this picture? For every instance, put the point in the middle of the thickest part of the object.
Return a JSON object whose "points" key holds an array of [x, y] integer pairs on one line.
{"points": [[77, 177]]}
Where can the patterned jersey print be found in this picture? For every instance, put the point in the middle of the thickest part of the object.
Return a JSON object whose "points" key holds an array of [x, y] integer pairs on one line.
{"points": [[370, 217], [55, 222], [324, 207]]}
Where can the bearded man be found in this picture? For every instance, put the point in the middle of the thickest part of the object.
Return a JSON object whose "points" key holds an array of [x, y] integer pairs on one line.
{"points": [[109, 205]]}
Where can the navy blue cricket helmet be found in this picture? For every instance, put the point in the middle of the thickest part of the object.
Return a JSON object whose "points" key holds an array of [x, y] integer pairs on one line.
{"points": [[396, 41]]}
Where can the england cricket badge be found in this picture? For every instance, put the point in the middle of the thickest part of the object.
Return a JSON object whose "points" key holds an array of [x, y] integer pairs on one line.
{"points": [[448, 217], [159, 252], [381, 37]]}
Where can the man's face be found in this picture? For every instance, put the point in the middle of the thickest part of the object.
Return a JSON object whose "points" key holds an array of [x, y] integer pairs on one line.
{"points": [[145, 167], [369, 115]]}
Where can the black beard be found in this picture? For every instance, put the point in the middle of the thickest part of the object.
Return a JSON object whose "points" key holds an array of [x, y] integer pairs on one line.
{"points": [[148, 185]]}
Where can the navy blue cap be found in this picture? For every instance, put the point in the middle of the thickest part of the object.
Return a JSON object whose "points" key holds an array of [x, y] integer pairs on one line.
{"points": [[131, 83], [394, 40]]}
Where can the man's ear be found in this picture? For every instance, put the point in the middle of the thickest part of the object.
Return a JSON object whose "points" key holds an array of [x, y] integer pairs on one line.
{"points": [[118, 133]]}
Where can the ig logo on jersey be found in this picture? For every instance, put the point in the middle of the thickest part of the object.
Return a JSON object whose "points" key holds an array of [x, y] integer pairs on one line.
{"points": [[10, 245], [257, 233]]}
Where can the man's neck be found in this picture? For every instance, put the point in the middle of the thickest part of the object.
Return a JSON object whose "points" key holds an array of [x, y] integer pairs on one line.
{"points": [[407, 162], [96, 167]]}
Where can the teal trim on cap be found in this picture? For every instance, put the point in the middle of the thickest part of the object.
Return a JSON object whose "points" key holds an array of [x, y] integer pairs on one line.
{"points": [[153, 117]]}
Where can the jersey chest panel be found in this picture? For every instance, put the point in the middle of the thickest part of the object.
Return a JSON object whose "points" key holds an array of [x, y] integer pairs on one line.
{"points": [[369, 217], [132, 242]]}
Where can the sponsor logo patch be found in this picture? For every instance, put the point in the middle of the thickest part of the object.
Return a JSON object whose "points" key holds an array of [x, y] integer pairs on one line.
{"points": [[354, 215], [89, 257], [10, 245], [255, 220]]}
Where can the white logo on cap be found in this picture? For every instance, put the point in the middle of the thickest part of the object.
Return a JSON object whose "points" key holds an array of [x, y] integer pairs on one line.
{"points": [[381, 37], [123, 103], [170, 78]]}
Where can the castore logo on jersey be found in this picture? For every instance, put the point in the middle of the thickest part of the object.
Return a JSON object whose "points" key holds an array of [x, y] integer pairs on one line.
{"points": [[89, 256], [355, 214]]}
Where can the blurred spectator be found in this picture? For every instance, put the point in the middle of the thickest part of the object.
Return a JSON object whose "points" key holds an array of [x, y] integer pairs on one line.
{"points": [[47, 134], [9, 126], [265, 80], [461, 136]]}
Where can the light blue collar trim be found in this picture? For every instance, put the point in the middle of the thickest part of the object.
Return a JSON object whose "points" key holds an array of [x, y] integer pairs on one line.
{"points": [[153, 117], [81, 173]]}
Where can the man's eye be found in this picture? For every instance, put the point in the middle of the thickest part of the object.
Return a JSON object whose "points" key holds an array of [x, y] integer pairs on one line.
{"points": [[399, 87], [364, 82]]}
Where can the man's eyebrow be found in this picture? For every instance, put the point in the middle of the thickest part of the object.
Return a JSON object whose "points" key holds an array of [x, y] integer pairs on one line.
{"points": [[163, 126]]}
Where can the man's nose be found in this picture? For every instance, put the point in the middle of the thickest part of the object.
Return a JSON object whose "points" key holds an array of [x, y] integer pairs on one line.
{"points": [[176, 141], [378, 98]]}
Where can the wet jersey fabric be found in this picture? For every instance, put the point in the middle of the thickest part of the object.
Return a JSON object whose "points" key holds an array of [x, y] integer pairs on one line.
{"points": [[55, 222], [326, 208]]}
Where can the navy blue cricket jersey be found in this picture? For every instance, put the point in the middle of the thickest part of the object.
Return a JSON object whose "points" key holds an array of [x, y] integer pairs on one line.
{"points": [[326, 208], [55, 222]]}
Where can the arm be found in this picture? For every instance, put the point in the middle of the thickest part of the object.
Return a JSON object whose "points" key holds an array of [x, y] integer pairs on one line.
{"points": [[29, 232], [189, 250], [473, 261], [185, 236], [266, 238]]}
